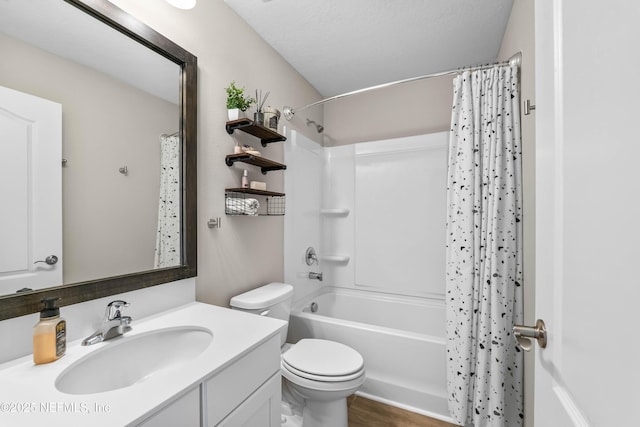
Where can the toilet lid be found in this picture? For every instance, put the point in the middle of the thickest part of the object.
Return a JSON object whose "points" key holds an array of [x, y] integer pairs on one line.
{"points": [[322, 360]]}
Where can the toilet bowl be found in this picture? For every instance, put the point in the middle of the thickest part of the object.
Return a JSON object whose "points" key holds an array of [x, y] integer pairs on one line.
{"points": [[318, 374], [322, 374]]}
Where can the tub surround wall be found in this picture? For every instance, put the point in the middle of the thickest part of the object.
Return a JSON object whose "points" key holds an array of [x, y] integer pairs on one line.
{"points": [[305, 161], [399, 215], [376, 218], [83, 319]]}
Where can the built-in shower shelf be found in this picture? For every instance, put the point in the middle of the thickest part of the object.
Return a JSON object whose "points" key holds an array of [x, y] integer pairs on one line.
{"points": [[335, 212], [265, 165], [266, 135], [339, 259]]}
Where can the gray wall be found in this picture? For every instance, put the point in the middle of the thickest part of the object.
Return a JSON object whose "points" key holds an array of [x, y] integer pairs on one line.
{"points": [[107, 229], [245, 252]]}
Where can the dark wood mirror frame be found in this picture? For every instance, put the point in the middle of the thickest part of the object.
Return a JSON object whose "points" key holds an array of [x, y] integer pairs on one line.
{"points": [[29, 302]]}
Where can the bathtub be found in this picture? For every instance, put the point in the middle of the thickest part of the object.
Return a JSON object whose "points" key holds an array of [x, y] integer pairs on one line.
{"points": [[402, 340]]}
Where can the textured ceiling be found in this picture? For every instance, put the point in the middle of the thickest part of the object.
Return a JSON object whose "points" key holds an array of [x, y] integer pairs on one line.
{"points": [[345, 45]]}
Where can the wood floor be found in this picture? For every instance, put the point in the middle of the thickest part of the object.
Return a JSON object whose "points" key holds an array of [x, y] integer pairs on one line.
{"points": [[368, 413]]}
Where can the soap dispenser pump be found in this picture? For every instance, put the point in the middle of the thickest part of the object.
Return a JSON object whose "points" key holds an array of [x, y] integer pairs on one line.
{"points": [[49, 334]]}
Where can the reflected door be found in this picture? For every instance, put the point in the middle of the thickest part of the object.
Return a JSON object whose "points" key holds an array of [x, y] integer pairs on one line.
{"points": [[30, 192]]}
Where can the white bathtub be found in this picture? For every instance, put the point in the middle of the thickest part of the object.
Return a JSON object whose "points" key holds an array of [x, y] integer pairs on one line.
{"points": [[402, 340]]}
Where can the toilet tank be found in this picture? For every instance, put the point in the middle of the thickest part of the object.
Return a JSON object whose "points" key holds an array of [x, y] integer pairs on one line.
{"points": [[271, 300]]}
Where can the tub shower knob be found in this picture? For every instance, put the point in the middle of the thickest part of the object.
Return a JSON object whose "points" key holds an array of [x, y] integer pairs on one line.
{"points": [[310, 256], [523, 335], [50, 260]]}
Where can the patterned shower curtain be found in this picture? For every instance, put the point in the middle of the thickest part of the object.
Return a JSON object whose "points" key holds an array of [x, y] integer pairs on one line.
{"points": [[168, 236], [484, 250]]}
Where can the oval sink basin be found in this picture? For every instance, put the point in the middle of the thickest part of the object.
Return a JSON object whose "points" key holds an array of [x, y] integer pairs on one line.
{"points": [[131, 359]]}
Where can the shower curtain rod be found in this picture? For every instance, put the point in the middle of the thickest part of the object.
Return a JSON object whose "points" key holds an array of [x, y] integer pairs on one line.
{"points": [[516, 60]]}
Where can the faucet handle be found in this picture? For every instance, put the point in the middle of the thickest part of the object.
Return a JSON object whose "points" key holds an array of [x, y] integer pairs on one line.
{"points": [[114, 309]]}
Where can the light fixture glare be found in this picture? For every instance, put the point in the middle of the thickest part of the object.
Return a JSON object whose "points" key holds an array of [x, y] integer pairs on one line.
{"points": [[182, 4]]}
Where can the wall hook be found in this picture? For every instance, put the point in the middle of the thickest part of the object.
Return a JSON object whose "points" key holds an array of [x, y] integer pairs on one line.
{"points": [[124, 171], [528, 107]]}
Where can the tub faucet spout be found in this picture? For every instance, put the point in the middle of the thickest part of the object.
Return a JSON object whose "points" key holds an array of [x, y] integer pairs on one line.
{"points": [[317, 276]]}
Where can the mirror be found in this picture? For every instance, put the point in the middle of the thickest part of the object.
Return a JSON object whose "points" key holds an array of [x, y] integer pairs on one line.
{"points": [[135, 92]]}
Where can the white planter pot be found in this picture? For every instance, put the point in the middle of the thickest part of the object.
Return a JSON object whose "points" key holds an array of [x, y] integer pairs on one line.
{"points": [[235, 114]]}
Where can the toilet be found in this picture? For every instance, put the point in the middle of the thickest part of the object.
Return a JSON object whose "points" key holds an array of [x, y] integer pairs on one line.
{"points": [[318, 375]]}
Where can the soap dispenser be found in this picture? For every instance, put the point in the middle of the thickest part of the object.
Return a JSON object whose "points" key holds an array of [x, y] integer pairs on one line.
{"points": [[49, 334]]}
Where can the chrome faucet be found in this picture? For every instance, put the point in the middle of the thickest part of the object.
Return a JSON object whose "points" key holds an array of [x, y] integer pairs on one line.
{"points": [[113, 325], [317, 276]]}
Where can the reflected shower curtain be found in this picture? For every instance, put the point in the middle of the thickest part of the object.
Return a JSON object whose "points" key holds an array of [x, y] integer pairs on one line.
{"points": [[484, 250], [168, 235]]}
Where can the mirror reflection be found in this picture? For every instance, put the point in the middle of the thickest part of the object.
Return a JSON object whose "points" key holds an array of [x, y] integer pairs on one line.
{"points": [[119, 157]]}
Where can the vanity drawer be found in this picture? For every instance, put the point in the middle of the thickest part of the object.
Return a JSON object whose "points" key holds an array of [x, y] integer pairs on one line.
{"points": [[229, 388]]}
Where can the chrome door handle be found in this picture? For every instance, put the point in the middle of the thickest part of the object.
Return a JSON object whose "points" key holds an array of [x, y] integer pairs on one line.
{"points": [[50, 260], [523, 335]]}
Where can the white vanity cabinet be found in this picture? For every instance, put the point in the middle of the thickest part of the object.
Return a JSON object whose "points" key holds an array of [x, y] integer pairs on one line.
{"points": [[250, 387], [233, 382], [246, 393], [183, 412]]}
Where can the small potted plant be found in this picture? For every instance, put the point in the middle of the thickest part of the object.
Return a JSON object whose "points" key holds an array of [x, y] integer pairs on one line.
{"points": [[237, 101]]}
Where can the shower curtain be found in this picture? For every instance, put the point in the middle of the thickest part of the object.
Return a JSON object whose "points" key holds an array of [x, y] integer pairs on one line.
{"points": [[484, 250], [168, 235]]}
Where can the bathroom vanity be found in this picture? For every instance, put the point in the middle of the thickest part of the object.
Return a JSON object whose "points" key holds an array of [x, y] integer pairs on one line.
{"points": [[196, 365]]}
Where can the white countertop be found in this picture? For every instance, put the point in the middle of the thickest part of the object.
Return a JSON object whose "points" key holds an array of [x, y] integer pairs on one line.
{"points": [[28, 396]]}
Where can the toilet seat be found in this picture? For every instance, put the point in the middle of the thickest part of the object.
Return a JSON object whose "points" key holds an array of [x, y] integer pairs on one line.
{"points": [[323, 360]]}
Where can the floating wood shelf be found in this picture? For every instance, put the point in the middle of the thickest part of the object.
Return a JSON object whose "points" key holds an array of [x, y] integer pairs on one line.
{"points": [[266, 135], [265, 165]]}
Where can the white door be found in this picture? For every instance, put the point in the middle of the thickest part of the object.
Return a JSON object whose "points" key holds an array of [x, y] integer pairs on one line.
{"points": [[30, 191], [588, 212]]}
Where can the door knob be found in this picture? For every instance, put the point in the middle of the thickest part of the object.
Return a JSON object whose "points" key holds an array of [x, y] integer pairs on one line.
{"points": [[50, 260], [523, 335]]}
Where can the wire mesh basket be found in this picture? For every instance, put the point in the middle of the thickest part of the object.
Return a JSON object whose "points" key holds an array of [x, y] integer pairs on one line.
{"points": [[245, 202]]}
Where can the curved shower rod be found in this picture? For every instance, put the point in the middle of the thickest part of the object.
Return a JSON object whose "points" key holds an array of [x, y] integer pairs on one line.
{"points": [[516, 60]]}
